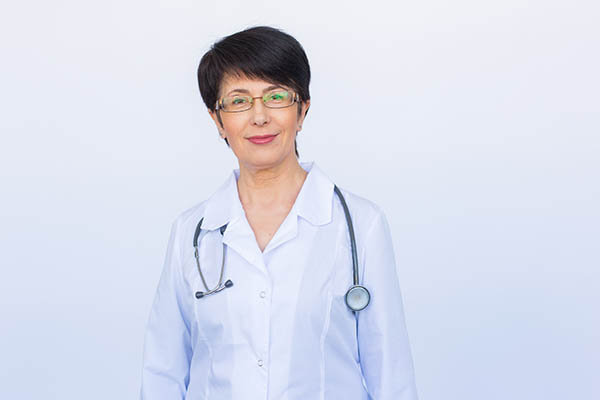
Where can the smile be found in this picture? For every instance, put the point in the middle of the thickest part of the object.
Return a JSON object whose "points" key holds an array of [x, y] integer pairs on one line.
{"points": [[262, 139]]}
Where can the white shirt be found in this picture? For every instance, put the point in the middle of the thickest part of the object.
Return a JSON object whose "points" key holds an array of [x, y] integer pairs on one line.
{"points": [[283, 330]]}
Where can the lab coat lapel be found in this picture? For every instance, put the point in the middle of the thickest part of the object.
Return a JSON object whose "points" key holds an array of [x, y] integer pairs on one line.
{"points": [[240, 238], [288, 230], [315, 200], [314, 204], [224, 207]]}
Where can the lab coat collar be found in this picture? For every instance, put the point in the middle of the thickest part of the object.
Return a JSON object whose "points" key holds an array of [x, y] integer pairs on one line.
{"points": [[314, 202]]}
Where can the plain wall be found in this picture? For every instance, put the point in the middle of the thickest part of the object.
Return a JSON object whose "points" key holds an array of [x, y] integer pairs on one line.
{"points": [[474, 125]]}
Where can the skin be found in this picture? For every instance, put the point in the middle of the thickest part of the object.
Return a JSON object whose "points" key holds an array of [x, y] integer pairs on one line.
{"points": [[270, 174]]}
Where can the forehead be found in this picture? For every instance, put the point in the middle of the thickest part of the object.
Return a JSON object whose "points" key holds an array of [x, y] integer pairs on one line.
{"points": [[251, 85]]}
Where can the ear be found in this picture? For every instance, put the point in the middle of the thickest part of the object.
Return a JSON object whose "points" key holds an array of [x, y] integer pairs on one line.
{"points": [[218, 122], [305, 106], [213, 115]]}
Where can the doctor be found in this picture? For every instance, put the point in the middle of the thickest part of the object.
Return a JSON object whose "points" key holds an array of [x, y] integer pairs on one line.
{"points": [[252, 301]]}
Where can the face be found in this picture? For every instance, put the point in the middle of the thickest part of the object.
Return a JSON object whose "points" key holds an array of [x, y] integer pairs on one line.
{"points": [[243, 129]]}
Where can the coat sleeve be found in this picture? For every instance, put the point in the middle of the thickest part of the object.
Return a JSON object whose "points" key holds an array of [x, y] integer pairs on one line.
{"points": [[384, 350], [167, 344]]}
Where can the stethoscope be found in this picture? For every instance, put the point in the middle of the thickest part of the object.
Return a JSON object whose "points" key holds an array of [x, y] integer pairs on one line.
{"points": [[357, 297]]}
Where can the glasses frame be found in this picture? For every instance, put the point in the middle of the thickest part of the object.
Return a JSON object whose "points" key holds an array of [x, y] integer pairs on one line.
{"points": [[219, 105]]}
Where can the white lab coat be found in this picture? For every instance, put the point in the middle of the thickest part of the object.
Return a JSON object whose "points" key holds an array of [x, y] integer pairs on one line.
{"points": [[283, 331]]}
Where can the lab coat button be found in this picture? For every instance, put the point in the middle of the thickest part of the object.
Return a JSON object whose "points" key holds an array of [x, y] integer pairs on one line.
{"points": [[263, 294], [260, 363]]}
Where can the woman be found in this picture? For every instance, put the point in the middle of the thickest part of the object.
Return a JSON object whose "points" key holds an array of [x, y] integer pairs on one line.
{"points": [[252, 303]]}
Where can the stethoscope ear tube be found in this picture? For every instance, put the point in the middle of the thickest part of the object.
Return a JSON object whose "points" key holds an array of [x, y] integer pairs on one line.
{"points": [[227, 284], [197, 233]]}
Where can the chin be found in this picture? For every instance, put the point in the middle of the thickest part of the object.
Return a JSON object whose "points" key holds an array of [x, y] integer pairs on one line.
{"points": [[265, 159]]}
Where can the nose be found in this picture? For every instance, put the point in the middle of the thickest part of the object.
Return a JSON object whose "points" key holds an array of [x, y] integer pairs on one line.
{"points": [[260, 113]]}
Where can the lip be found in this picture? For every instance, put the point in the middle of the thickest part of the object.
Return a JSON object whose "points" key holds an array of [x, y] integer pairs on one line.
{"points": [[262, 139]]}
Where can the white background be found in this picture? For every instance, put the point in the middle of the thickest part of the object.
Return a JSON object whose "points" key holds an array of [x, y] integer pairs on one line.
{"points": [[473, 124]]}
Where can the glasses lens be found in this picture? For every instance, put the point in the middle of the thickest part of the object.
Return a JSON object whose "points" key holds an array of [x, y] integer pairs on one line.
{"points": [[279, 99], [275, 99], [237, 103]]}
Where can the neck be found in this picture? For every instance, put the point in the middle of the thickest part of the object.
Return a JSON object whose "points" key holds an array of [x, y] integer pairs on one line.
{"points": [[277, 185]]}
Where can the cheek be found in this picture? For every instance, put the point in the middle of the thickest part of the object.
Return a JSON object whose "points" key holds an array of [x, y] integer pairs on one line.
{"points": [[234, 127], [289, 123]]}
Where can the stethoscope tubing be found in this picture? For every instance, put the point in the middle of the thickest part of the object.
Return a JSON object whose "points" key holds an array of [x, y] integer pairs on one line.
{"points": [[220, 285], [352, 238]]}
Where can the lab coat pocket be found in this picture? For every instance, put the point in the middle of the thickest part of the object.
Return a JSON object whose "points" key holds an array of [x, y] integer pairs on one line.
{"points": [[213, 313], [342, 330], [342, 281], [212, 317]]}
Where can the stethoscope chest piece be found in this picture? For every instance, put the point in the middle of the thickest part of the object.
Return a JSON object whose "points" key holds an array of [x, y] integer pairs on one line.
{"points": [[357, 298]]}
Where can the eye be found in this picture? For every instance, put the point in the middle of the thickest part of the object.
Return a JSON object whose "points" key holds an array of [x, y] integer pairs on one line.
{"points": [[239, 100], [277, 96]]}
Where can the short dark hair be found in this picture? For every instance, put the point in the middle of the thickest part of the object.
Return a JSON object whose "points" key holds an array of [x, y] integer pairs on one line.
{"points": [[259, 52]]}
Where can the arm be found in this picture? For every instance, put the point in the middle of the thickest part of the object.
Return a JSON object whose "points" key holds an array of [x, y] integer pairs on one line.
{"points": [[384, 349], [167, 345]]}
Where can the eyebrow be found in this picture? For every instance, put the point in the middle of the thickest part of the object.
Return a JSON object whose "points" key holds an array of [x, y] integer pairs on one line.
{"points": [[248, 92]]}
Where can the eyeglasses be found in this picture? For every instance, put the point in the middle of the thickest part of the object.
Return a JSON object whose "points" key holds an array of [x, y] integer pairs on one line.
{"points": [[276, 99]]}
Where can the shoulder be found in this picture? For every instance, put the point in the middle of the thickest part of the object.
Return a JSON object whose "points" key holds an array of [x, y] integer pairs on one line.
{"points": [[191, 215], [186, 221], [183, 227], [365, 213], [371, 231], [362, 210], [180, 230]]}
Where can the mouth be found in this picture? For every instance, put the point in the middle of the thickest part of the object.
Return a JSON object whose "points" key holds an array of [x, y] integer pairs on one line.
{"points": [[262, 139]]}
